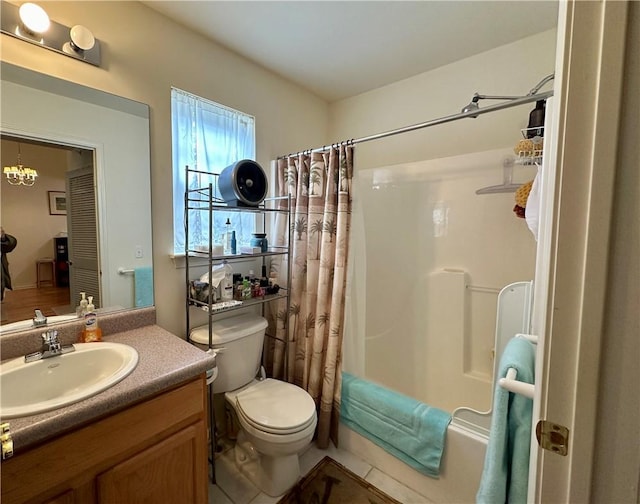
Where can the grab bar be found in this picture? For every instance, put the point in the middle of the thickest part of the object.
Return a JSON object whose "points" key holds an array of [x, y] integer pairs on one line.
{"points": [[511, 384], [123, 271], [482, 288]]}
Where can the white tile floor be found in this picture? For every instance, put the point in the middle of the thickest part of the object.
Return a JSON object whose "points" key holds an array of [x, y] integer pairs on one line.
{"points": [[234, 488]]}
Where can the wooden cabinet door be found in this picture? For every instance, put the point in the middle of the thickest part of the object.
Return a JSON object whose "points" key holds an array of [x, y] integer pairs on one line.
{"points": [[65, 498], [174, 470]]}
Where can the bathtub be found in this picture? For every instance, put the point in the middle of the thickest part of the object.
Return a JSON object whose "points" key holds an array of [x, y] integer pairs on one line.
{"points": [[461, 465]]}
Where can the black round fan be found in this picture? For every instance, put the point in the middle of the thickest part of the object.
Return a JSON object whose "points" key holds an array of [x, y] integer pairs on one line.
{"points": [[243, 183]]}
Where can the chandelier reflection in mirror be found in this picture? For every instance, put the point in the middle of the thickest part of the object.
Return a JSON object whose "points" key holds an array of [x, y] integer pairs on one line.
{"points": [[20, 174]]}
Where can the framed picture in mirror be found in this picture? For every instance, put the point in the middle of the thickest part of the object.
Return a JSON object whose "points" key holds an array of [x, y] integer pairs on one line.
{"points": [[57, 203]]}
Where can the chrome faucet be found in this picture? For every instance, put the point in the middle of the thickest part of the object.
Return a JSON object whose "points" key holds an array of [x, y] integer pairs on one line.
{"points": [[50, 347], [39, 320]]}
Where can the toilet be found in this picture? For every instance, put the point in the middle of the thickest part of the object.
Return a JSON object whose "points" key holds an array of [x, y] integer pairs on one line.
{"points": [[277, 419]]}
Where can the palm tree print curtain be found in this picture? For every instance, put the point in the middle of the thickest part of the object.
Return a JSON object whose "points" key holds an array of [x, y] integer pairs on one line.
{"points": [[320, 186]]}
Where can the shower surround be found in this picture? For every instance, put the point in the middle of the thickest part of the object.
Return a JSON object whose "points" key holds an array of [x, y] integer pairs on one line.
{"points": [[429, 257]]}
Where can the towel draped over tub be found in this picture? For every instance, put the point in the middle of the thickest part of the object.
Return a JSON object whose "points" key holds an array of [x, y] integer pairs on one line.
{"points": [[408, 429]]}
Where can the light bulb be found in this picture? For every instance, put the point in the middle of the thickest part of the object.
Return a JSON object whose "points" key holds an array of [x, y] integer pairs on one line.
{"points": [[34, 18], [81, 37]]}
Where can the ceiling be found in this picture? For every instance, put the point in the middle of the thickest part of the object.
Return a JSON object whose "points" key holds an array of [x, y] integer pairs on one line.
{"points": [[338, 49]]}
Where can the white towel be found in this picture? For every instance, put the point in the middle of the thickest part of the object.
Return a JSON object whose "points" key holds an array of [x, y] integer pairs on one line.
{"points": [[532, 211]]}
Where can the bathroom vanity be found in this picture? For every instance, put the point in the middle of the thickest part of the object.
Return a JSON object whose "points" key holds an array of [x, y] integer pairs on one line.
{"points": [[142, 440]]}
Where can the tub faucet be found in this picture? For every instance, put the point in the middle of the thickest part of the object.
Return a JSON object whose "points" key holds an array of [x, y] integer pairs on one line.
{"points": [[50, 347], [39, 319]]}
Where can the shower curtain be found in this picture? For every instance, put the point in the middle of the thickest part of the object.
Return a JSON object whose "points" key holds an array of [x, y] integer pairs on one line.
{"points": [[320, 186]]}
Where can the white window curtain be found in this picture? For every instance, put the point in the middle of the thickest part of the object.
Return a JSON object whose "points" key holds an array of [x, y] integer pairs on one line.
{"points": [[209, 137]]}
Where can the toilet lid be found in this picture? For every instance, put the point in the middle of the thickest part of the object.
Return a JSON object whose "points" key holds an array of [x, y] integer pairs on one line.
{"points": [[276, 406]]}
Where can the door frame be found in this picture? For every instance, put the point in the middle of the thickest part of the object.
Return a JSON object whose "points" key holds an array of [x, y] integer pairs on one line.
{"points": [[588, 90]]}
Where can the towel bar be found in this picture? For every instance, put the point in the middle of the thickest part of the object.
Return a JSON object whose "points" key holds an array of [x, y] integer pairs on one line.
{"points": [[531, 338], [512, 385]]}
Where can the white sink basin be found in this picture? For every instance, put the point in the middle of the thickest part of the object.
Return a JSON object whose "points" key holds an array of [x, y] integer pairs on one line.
{"points": [[47, 384]]}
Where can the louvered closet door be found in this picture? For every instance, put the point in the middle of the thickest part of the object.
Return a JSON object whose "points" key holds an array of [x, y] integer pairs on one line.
{"points": [[84, 263]]}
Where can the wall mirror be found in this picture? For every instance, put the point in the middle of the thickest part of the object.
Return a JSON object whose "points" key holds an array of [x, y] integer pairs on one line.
{"points": [[85, 224]]}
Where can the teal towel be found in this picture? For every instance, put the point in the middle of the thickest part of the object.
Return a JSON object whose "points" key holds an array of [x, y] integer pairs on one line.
{"points": [[406, 428], [505, 476], [143, 283]]}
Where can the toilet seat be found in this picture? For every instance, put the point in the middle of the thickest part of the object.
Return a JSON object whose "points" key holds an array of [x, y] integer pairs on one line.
{"points": [[271, 430], [276, 407]]}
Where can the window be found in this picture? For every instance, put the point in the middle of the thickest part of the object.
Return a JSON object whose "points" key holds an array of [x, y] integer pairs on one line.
{"points": [[208, 137]]}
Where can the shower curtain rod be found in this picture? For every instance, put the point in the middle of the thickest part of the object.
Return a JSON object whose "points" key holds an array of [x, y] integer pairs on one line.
{"points": [[442, 120]]}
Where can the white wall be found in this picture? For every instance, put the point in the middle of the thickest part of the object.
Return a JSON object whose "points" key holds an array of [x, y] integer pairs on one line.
{"points": [[143, 55], [512, 69], [430, 335], [25, 210]]}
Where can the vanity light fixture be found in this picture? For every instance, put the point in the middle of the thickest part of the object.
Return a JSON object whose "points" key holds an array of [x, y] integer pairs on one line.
{"points": [[81, 40], [35, 21], [30, 23], [20, 174]]}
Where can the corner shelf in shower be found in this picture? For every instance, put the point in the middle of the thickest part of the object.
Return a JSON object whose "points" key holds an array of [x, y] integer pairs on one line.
{"points": [[530, 157], [528, 160]]}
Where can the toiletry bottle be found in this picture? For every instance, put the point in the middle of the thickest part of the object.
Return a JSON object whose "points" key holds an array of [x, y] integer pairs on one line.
{"points": [[91, 330], [82, 307], [246, 288], [237, 286], [264, 281], [226, 286], [233, 242], [227, 237]]}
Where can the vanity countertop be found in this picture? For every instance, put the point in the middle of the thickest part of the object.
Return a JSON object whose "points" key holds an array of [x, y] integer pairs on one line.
{"points": [[165, 360]]}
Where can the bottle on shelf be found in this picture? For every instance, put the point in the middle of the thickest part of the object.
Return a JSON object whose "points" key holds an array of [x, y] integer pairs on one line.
{"points": [[227, 237], [246, 288], [237, 286], [264, 281], [233, 243], [226, 285]]}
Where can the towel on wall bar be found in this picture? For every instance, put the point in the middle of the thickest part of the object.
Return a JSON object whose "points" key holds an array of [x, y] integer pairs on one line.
{"points": [[505, 476], [408, 429], [143, 285]]}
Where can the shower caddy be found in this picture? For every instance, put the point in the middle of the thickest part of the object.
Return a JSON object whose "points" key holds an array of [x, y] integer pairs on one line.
{"points": [[204, 199]]}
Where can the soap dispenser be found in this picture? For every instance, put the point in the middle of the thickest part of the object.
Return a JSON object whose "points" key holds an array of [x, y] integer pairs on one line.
{"points": [[82, 307], [91, 330]]}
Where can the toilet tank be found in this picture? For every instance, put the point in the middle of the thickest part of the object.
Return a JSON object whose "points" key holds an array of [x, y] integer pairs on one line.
{"points": [[238, 341]]}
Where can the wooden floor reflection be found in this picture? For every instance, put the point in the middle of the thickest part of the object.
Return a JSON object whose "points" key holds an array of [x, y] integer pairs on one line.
{"points": [[20, 304]]}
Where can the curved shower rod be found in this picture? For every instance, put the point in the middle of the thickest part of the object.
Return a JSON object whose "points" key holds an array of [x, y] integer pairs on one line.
{"points": [[473, 105], [512, 101]]}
